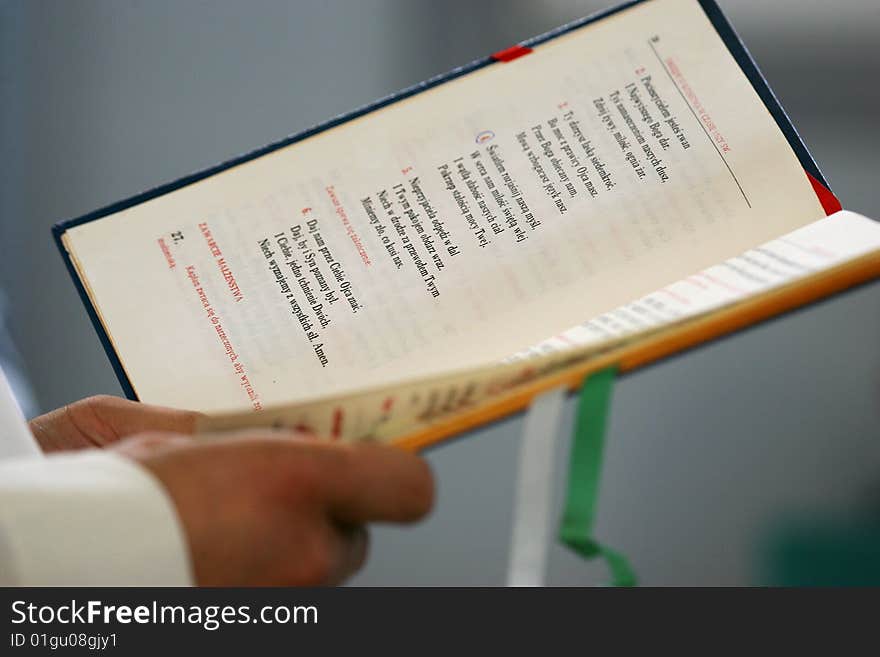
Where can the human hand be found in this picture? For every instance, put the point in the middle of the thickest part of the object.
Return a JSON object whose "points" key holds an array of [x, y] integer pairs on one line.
{"points": [[271, 508], [101, 420]]}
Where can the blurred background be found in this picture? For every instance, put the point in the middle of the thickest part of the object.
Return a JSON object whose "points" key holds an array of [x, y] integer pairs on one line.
{"points": [[709, 456]]}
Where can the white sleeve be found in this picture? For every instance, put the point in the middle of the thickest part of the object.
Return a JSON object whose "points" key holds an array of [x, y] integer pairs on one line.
{"points": [[88, 518], [15, 437]]}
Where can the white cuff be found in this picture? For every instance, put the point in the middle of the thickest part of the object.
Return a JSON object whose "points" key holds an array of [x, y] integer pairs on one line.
{"points": [[89, 518]]}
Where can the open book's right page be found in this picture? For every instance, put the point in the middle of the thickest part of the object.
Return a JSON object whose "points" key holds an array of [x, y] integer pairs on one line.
{"points": [[453, 228]]}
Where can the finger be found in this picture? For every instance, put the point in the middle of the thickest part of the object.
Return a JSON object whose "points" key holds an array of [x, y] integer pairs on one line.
{"points": [[350, 548], [124, 417], [356, 483], [368, 483]]}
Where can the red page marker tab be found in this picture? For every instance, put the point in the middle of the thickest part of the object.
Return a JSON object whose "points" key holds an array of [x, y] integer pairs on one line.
{"points": [[828, 200], [509, 54]]}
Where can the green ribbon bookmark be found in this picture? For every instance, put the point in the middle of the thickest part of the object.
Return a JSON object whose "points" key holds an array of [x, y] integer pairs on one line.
{"points": [[583, 477]]}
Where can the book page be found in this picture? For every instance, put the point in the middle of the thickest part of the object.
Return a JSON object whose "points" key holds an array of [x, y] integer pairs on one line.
{"points": [[808, 250], [452, 228], [396, 411]]}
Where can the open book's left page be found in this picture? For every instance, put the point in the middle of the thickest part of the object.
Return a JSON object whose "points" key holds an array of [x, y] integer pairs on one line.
{"points": [[453, 228]]}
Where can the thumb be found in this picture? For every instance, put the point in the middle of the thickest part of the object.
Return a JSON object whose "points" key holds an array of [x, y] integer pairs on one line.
{"points": [[123, 417]]}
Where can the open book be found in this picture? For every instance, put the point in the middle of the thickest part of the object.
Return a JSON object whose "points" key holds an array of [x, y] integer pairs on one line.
{"points": [[607, 194]]}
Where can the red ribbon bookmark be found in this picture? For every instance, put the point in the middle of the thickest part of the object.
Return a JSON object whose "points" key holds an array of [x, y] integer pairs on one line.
{"points": [[509, 54], [828, 200]]}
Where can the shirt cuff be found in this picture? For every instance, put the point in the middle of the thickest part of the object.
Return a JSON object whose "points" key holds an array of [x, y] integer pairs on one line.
{"points": [[90, 518]]}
